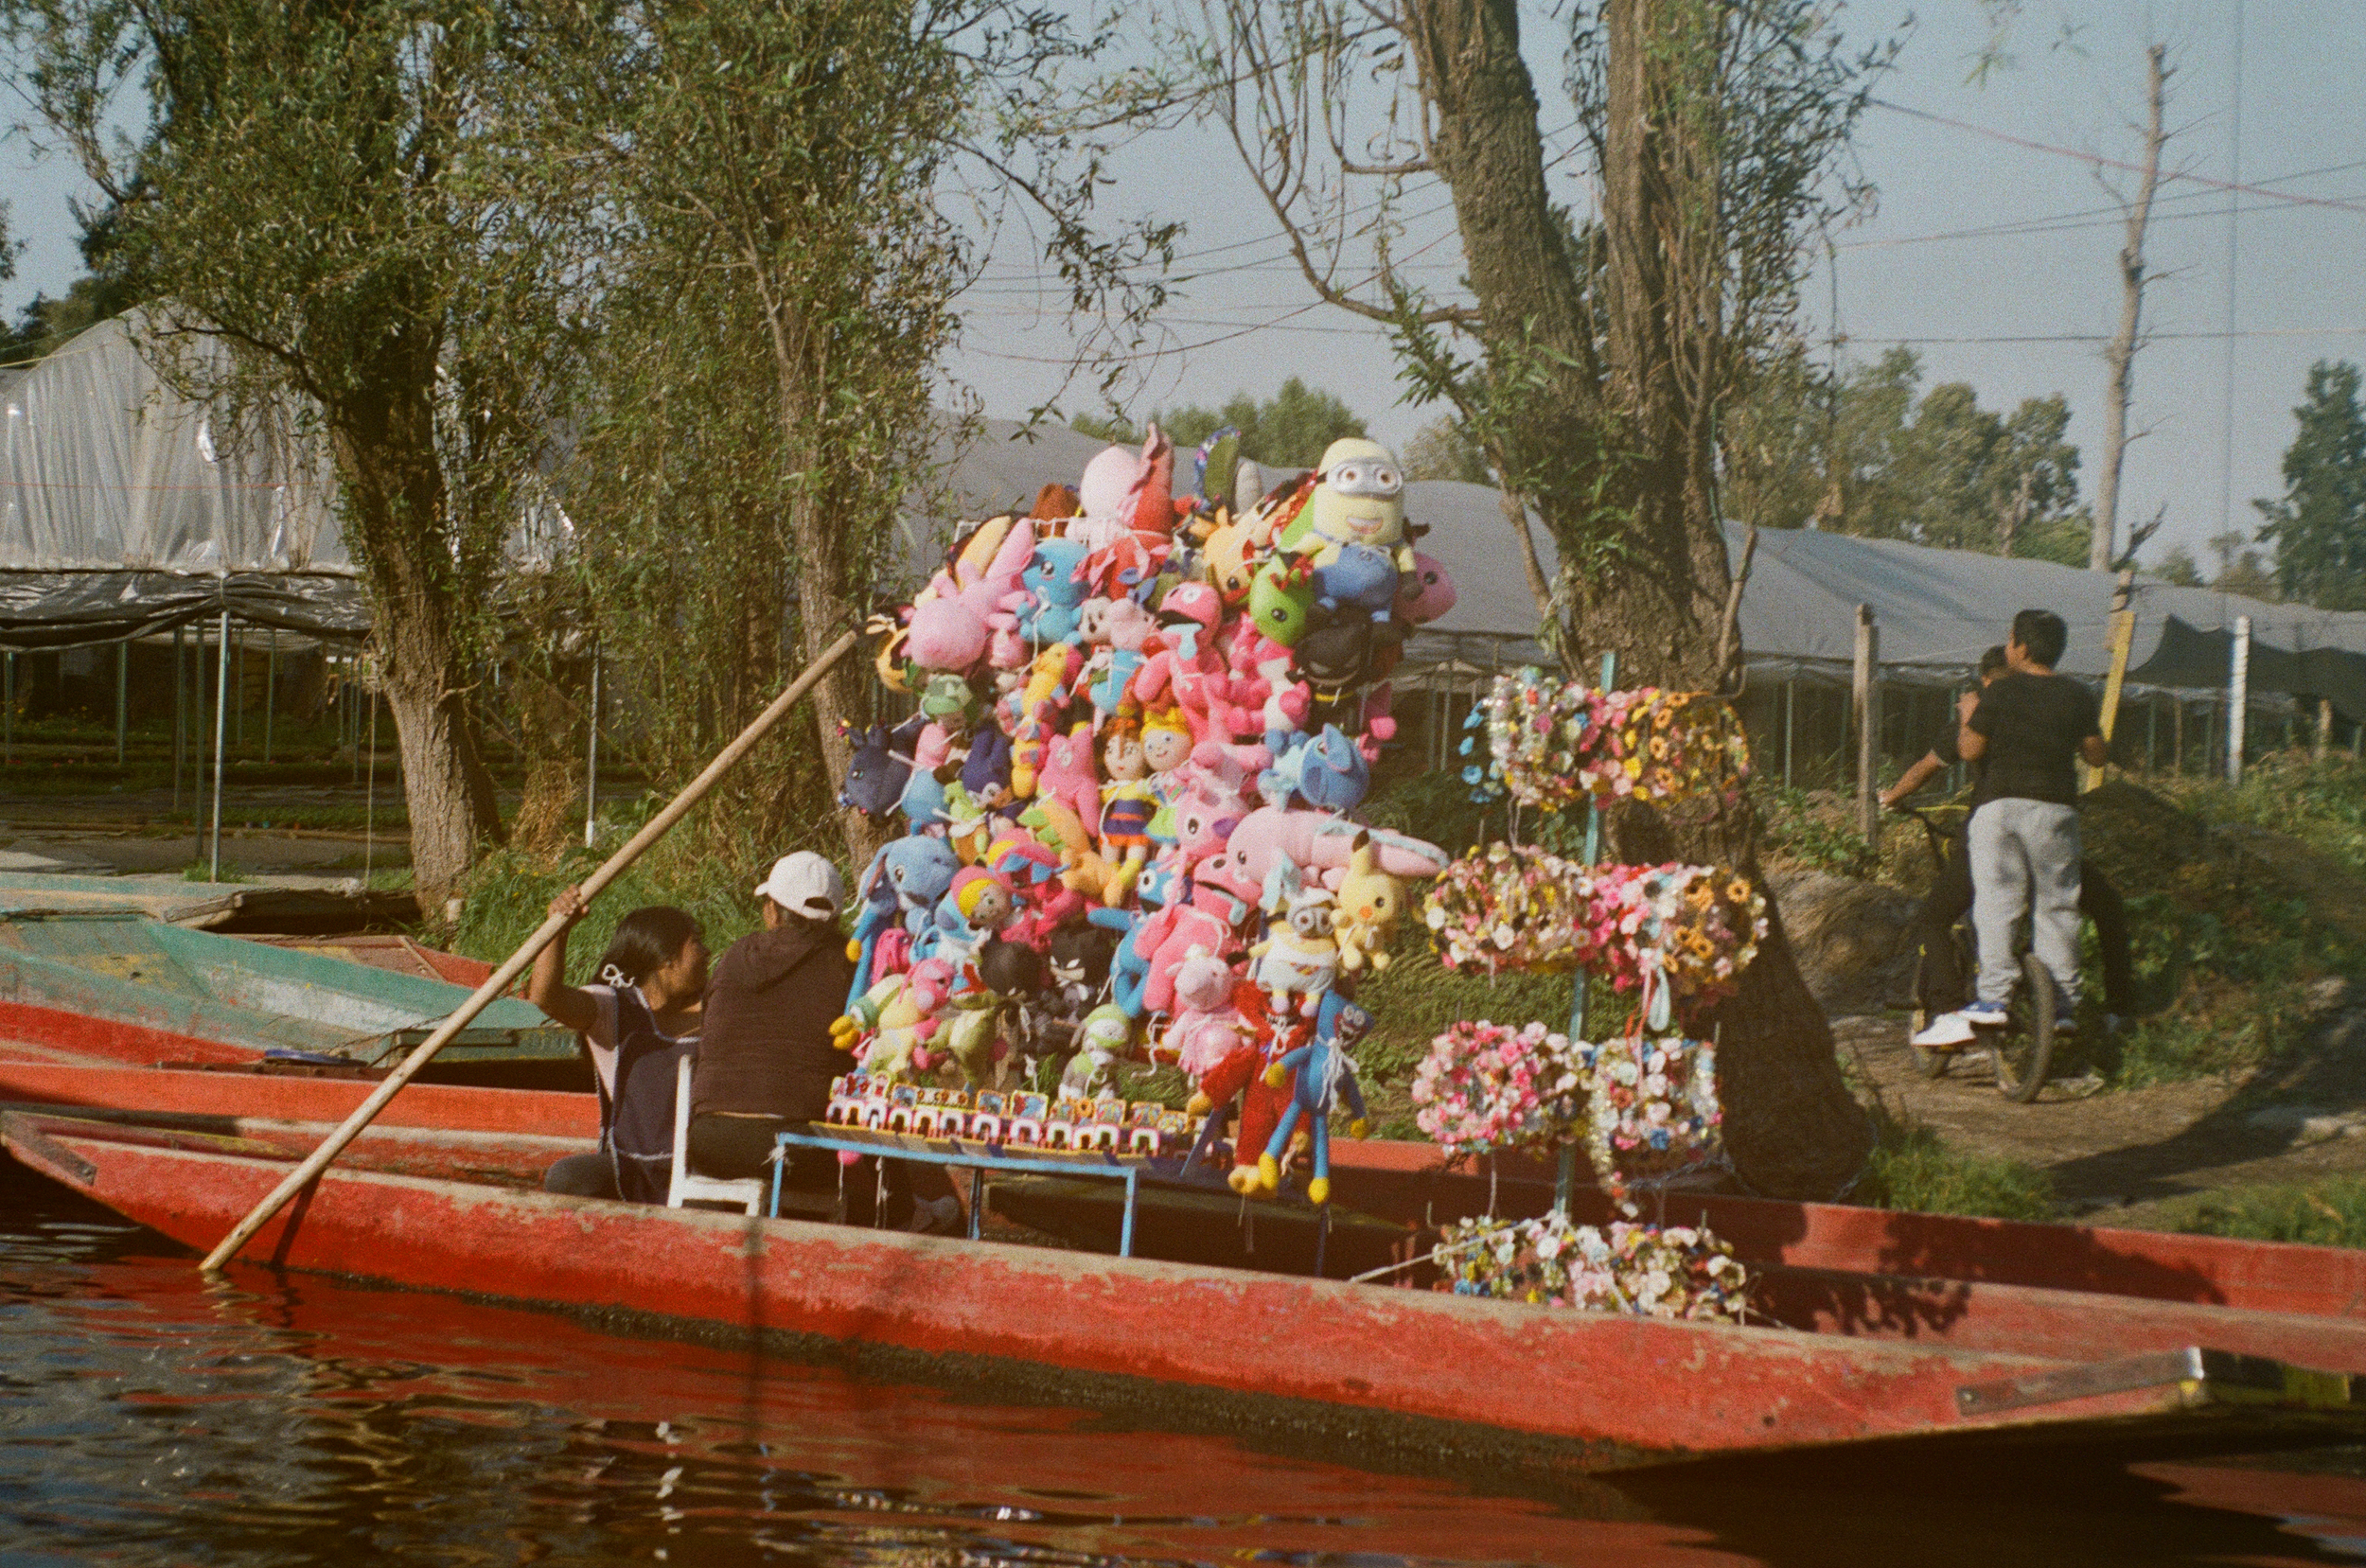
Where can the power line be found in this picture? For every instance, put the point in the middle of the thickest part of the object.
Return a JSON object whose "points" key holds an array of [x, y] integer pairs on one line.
{"points": [[2149, 337], [2097, 161], [2233, 256]]}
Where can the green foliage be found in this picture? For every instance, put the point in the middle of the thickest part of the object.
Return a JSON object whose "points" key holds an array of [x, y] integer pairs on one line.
{"points": [[1874, 454], [2329, 1213], [2180, 567], [507, 896], [1912, 1169], [1447, 448], [1286, 430], [1797, 824], [45, 324], [2318, 526], [2226, 940]]}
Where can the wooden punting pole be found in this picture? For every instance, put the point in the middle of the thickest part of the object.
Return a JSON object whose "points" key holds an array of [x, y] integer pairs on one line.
{"points": [[506, 976]]}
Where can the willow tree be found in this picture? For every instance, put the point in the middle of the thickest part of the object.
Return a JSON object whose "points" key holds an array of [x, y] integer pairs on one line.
{"points": [[793, 198], [304, 190], [1591, 354]]}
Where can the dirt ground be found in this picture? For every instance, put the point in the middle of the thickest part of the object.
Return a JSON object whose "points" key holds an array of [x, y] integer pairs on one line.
{"points": [[2123, 1156]]}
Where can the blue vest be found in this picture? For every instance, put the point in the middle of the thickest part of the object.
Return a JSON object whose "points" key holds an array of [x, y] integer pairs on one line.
{"points": [[639, 1135]]}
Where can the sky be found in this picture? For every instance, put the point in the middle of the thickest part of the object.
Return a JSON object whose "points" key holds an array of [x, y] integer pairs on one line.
{"points": [[1993, 258]]}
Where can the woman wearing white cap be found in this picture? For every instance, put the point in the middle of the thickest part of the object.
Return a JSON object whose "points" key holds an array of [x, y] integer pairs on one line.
{"points": [[766, 1057]]}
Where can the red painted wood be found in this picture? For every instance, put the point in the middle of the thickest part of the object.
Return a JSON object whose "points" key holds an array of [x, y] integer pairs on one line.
{"points": [[1417, 1182], [503, 1159], [137, 1044], [2077, 1324], [544, 1113], [1589, 1379]]}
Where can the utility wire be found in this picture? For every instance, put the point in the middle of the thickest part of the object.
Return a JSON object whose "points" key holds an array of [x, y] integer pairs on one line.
{"points": [[2098, 161]]}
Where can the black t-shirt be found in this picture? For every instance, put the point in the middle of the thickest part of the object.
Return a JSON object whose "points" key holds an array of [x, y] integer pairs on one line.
{"points": [[2034, 725], [1943, 747]]}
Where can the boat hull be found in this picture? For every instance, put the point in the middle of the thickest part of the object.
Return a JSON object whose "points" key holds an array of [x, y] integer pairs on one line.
{"points": [[1568, 1388], [164, 1091]]}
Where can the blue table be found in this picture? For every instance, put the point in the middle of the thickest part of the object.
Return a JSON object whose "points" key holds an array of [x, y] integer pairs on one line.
{"points": [[978, 1158]]}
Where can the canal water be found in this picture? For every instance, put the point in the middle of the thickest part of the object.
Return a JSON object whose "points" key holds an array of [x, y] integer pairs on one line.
{"points": [[147, 1416]]}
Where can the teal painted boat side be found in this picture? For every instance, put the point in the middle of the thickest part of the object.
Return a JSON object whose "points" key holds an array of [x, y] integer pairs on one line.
{"points": [[128, 968]]}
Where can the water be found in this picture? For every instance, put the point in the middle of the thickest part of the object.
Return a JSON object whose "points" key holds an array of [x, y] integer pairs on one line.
{"points": [[147, 1416]]}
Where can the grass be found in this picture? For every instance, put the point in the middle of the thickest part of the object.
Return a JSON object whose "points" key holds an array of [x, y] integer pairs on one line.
{"points": [[1913, 1169], [2329, 1213]]}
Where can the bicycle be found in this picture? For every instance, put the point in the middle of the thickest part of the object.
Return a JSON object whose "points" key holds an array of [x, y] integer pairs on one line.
{"points": [[2021, 1052]]}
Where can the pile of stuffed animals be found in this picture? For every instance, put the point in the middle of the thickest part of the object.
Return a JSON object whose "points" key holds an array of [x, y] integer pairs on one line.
{"points": [[1128, 797]]}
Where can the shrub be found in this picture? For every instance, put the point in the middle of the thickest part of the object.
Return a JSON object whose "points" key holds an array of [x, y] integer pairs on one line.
{"points": [[2330, 1213], [1912, 1169]]}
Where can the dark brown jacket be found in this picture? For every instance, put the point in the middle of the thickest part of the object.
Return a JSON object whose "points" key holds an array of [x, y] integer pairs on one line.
{"points": [[764, 1044]]}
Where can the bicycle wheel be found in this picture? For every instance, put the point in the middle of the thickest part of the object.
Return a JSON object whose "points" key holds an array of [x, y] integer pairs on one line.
{"points": [[2023, 1049], [1931, 1064]]}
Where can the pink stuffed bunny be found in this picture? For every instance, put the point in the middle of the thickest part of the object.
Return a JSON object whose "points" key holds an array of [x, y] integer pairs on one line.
{"points": [[951, 629], [1207, 1027], [1068, 775]]}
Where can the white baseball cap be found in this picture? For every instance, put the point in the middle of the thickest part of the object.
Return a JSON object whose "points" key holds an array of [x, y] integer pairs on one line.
{"points": [[806, 884]]}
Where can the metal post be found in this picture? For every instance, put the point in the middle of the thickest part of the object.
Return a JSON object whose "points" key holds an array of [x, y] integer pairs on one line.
{"points": [[1790, 710], [1565, 1179], [353, 703], [178, 718], [271, 688], [1866, 698], [222, 698], [592, 755], [369, 803], [8, 722], [238, 729], [2238, 700]]}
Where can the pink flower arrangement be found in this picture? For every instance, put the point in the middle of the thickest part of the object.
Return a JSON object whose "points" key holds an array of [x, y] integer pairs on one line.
{"points": [[1651, 1108], [1508, 907], [1486, 1087], [1678, 1272], [1513, 908], [1554, 744], [1694, 926]]}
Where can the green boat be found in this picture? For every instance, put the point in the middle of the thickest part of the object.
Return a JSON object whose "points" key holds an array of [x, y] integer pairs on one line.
{"points": [[122, 986]]}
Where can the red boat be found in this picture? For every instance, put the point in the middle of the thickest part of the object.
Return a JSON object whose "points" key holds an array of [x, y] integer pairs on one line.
{"points": [[1961, 1362]]}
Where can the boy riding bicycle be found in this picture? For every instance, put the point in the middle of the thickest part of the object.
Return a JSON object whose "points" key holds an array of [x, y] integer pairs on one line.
{"points": [[1941, 986], [2032, 726]]}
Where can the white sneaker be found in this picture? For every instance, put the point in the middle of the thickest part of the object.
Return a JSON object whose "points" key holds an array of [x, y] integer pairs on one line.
{"points": [[1983, 1014], [1944, 1032]]}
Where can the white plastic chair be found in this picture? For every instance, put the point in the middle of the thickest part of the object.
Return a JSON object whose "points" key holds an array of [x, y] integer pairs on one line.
{"points": [[747, 1192]]}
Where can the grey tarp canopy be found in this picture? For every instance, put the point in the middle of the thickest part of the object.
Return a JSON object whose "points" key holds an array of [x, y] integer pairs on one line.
{"points": [[1938, 610], [126, 510], [122, 513]]}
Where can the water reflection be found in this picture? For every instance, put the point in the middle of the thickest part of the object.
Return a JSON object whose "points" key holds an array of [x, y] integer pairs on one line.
{"points": [[147, 1415]]}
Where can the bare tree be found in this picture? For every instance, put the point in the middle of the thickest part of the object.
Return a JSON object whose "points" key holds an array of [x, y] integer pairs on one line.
{"points": [[2120, 356], [1590, 358]]}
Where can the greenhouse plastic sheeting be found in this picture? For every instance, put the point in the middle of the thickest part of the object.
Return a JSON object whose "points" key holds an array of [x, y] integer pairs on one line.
{"points": [[123, 512], [126, 509]]}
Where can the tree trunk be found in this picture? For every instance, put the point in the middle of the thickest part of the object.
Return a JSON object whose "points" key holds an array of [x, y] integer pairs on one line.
{"points": [[385, 447], [2120, 354], [827, 556], [1791, 1124]]}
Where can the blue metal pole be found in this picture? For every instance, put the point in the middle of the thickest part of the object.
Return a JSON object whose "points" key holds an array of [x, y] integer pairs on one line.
{"points": [[1125, 1237], [1565, 1179]]}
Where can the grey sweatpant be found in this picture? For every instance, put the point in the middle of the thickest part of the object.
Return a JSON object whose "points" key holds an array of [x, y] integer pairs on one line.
{"points": [[2024, 858]]}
